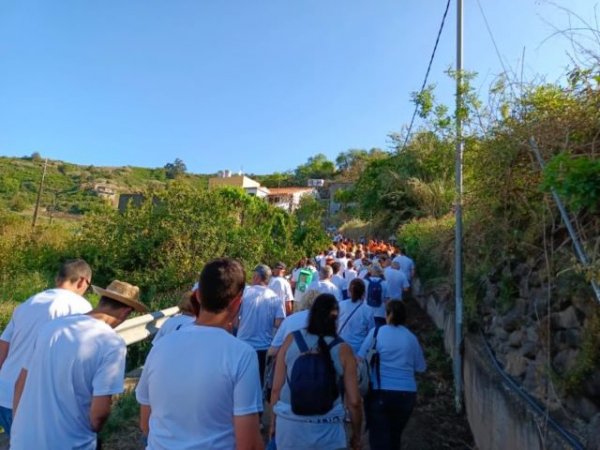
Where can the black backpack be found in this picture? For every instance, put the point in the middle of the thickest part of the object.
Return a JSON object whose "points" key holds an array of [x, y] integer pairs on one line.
{"points": [[374, 293], [313, 382]]}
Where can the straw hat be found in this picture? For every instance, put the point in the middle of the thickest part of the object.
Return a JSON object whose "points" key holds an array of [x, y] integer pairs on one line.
{"points": [[125, 293]]}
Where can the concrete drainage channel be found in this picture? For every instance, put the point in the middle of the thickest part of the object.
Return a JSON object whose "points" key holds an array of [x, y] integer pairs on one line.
{"points": [[500, 413]]}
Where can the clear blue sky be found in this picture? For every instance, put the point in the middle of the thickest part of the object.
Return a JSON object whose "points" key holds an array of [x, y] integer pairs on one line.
{"points": [[229, 84]]}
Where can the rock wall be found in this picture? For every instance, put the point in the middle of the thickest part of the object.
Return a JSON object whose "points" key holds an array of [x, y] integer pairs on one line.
{"points": [[498, 417]]}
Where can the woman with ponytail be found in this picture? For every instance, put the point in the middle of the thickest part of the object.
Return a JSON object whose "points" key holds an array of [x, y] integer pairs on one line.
{"points": [[296, 422]]}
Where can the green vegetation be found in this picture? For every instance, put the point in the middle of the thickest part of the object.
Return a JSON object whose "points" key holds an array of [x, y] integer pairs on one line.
{"points": [[71, 189]]}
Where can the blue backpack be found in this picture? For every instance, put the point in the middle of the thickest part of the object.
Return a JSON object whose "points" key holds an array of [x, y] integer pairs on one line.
{"points": [[375, 293], [313, 382]]}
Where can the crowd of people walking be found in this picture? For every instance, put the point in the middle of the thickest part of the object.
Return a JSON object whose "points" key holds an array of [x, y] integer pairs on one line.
{"points": [[319, 348]]}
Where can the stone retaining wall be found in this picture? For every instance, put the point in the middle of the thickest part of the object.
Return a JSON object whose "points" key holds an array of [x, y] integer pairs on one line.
{"points": [[498, 417]]}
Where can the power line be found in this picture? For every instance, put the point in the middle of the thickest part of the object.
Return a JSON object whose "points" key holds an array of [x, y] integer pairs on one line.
{"points": [[489, 30], [437, 40]]}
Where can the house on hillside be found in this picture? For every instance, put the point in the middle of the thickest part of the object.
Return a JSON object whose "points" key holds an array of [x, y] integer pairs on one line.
{"points": [[252, 187], [106, 191], [289, 198]]}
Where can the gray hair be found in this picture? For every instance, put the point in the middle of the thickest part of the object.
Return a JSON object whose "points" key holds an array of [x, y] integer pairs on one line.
{"points": [[326, 272], [264, 272], [72, 270], [307, 299]]}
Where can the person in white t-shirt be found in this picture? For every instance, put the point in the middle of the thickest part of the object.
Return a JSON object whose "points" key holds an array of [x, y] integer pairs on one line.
{"points": [[261, 311], [350, 273], [64, 392], [185, 319], [337, 277], [17, 340], [294, 322], [355, 318], [282, 287], [407, 265], [200, 387], [324, 284], [375, 276], [396, 281]]}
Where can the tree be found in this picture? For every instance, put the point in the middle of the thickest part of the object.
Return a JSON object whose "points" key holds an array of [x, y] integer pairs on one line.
{"points": [[175, 169], [317, 166]]}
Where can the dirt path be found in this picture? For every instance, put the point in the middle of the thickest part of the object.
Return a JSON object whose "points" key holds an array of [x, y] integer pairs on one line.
{"points": [[434, 424]]}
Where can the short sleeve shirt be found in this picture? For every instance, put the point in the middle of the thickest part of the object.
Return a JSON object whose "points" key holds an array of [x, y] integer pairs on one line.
{"points": [[26, 321], [194, 397], [74, 359], [259, 309]]}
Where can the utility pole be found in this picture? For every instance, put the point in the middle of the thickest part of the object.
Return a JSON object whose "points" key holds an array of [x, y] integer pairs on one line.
{"points": [[39, 195], [458, 259]]}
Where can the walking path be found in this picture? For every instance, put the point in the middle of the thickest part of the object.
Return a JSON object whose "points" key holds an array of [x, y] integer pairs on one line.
{"points": [[434, 424]]}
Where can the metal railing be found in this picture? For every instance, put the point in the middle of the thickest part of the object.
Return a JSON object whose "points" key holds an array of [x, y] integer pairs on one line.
{"points": [[139, 328]]}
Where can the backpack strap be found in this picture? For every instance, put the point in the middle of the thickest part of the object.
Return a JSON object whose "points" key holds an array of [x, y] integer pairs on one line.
{"points": [[348, 318], [300, 342], [377, 361], [336, 341]]}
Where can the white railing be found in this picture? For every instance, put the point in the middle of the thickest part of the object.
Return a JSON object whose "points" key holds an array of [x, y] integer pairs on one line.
{"points": [[139, 328]]}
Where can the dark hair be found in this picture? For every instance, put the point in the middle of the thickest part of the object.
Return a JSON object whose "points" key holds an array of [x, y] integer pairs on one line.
{"points": [[396, 311], [320, 320], [322, 323], [112, 304], [356, 289], [221, 280], [72, 270], [336, 266]]}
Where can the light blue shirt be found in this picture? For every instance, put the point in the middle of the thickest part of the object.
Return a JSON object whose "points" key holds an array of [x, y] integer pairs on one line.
{"points": [[259, 310], [396, 283], [296, 321], [400, 356], [356, 324], [407, 265]]}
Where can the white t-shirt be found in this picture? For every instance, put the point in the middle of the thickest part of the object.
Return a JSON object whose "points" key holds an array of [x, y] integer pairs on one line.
{"points": [[172, 324], [296, 321], [358, 264], [282, 287], [259, 309], [339, 281], [75, 358], [196, 381], [349, 275], [356, 324], [21, 331], [396, 283], [326, 287]]}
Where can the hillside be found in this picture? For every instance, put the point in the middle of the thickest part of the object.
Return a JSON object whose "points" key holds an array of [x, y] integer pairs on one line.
{"points": [[74, 189]]}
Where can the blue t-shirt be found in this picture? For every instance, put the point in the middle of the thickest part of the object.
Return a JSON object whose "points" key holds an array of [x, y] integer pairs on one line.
{"points": [[400, 357], [407, 265], [356, 324]]}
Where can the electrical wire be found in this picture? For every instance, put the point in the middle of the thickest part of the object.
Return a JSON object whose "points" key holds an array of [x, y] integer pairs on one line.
{"points": [[489, 30], [437, 40]]}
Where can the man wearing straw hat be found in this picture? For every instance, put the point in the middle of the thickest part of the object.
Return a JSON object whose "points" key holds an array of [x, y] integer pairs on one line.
{"points": [[63, 394]]}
